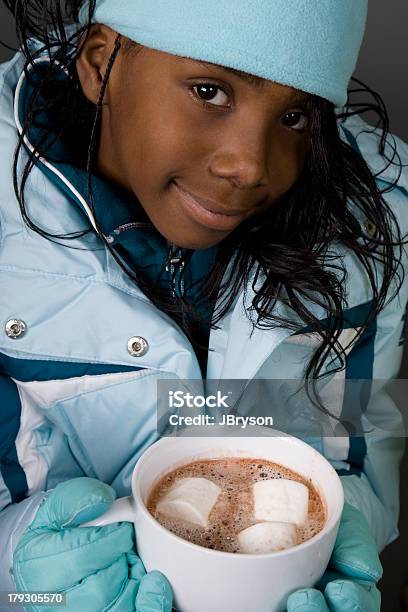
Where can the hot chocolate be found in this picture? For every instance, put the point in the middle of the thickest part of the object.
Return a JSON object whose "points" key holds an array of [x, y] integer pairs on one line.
{"points": [[211, 502]]}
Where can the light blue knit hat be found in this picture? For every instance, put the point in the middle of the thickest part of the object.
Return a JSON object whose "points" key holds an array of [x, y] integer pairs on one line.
{"points": [[310, 45]]}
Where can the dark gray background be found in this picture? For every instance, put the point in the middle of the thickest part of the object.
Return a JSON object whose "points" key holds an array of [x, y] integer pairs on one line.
{"points": [[382, 66], [383, 59]]}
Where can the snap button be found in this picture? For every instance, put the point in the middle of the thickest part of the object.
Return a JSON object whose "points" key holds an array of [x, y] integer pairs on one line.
{"points": [[137, 346], [15, 328]]}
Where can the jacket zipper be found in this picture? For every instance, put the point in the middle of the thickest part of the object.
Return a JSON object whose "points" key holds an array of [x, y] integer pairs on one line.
{"points": [[174, 257], [174, 261]]}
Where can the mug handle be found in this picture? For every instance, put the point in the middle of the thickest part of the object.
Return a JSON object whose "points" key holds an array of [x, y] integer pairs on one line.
{"points": [[122, 509]]}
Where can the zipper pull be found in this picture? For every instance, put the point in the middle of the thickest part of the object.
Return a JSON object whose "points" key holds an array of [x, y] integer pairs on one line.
{"points": [[174, 258]]}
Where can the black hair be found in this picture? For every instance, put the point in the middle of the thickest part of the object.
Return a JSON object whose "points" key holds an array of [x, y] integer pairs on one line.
{"points": [[283, 254]]}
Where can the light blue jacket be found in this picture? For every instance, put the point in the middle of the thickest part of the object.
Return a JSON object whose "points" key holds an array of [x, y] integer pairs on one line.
{"points": [[76, 402]]}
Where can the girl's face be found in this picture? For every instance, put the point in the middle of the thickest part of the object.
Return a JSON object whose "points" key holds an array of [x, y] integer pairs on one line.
{"points": [[202, 147]]}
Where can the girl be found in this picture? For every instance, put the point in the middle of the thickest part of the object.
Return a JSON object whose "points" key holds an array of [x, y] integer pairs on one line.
{"points": [[184, 196]]}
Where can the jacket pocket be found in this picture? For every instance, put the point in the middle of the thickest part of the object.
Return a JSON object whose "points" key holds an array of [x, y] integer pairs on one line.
{"points": [[108, 427]]}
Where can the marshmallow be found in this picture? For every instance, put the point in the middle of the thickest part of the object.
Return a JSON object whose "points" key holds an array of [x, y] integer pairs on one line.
{"points": [[190, 499], [281, 500], [266, 537]]}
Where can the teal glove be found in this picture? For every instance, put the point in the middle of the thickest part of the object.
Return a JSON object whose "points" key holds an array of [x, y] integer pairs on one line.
{"points": [[350, 583], [96, 567]]}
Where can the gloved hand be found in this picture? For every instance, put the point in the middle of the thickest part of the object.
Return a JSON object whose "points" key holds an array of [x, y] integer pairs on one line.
{"points": [[97, 567], [349, 585]]}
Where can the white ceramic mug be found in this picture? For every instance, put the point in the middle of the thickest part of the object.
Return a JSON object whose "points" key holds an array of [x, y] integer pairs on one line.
{"points": [[206, 580]]}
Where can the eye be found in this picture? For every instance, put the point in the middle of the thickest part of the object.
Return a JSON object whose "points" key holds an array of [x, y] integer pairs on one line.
{"points": [[296, 120], [211, 94]]}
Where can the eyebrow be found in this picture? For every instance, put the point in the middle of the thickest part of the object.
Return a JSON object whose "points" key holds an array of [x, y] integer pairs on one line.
{"points": [[251, 79]]}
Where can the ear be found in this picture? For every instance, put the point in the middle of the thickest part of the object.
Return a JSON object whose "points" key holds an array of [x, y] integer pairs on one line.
{"points": [[92, 60]]}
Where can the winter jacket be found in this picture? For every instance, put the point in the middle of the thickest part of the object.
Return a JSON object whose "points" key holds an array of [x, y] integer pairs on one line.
{"points": [[82, 348]]}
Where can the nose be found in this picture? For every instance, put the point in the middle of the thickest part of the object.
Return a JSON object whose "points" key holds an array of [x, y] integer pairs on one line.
{"points": [[243, 161]]}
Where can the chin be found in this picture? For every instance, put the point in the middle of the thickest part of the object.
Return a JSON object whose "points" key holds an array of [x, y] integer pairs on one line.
{"points": [[195, 244], [190, 238]]}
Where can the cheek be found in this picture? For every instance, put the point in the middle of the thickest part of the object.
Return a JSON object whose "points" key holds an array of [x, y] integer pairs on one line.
{"points": [[152, 139], [287, 163]]}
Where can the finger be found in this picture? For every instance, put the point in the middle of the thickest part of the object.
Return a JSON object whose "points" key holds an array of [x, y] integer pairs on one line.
{"points": [[307, 600], [55, 561], [328, 576], [155, 594], [114, 588], [136, 567], [74, 502], [355, 553], [101, 590], [351, 596]]}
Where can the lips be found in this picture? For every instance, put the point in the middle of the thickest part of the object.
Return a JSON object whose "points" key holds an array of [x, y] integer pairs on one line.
{"points": [[206, 212], [212, 206]]}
